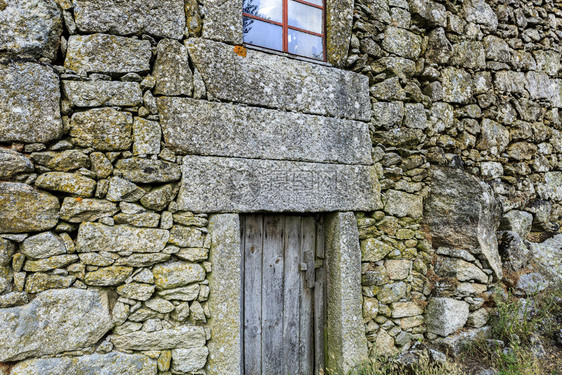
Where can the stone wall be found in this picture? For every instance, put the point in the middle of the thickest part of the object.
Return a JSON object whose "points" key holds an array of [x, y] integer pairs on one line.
{"points": [[124, 124], [100, 270], [466, 99]]}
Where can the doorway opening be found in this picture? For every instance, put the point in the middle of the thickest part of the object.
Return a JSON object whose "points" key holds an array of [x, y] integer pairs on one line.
{"points": [[284, 294]]}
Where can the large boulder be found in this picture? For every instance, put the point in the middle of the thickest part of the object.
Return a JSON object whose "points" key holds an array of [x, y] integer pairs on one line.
{"points": [[24, 209], [462, 212], [56, 321]]}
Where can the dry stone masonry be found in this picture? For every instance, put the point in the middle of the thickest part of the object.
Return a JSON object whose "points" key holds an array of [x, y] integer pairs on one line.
{"points": [[132, 135], [466, 127]]}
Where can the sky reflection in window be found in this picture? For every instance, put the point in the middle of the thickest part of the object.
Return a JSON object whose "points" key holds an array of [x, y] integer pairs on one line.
{"points": [[307, 45], [263, 34], [269, 9], [305, 17]]}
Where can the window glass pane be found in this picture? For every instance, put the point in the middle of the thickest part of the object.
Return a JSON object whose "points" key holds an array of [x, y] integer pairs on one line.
{"points": [[317, 2], [307, 45], [263, 34], [268, 9], [305, 17]]}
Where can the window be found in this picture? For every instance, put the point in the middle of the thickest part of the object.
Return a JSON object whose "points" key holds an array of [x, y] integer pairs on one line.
{"points": [[293, 26]]}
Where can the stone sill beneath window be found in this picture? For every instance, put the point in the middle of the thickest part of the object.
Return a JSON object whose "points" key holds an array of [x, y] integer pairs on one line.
{"points": [[288, 55]]}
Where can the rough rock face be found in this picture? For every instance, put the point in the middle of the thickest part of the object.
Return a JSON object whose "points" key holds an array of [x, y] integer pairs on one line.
{"points": [[102, 128], [187, 360], [253, 185], [30, 28], [148, 171], [71, 319], [97, 237], [339, 17], [224, 21], [13, 163], [548, 255], [114, 363], [76, 210], [171, 69], [24, 209], [42, 245], [70, 183], [173, 275], [183, 337], [221, 129], [165, 19], [552, 186], [446, 315], [104, 53], [102, 93], [29, 103], [459, 201], [270, 81]]}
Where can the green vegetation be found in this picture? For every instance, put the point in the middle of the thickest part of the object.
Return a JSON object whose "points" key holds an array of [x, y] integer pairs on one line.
{"points": [[526, 329], [523, 333], [425, 366]]}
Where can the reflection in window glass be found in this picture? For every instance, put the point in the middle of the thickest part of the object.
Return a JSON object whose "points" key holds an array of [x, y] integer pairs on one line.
{"points": [[268, 9], [263, 34], [307, 45], [316, 2], [305, 17]]}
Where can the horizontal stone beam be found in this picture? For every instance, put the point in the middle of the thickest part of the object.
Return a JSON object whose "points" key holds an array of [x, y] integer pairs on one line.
{"points": [[274, 81], [199, 127], [213, 184]]}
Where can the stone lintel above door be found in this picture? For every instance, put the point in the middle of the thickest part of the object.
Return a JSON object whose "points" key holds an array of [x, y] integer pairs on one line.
{"points": [[215, 184]]}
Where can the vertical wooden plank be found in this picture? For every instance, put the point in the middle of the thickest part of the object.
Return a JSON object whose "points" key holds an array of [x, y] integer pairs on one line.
{"points": [[253, 252], [320, 248], [320, 304], [307, 297], [242, 219], [272, 295], [293, 287]]}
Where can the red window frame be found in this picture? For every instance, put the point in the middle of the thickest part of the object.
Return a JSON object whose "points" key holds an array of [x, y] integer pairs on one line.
{"points": [[286, 26]]}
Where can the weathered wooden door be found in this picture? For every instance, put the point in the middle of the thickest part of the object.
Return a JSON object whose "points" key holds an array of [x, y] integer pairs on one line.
{"points": [[284, 288]]}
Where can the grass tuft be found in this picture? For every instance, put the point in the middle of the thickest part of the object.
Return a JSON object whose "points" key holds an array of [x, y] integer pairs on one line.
{"points": [[519, 324], [380, 365]]}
